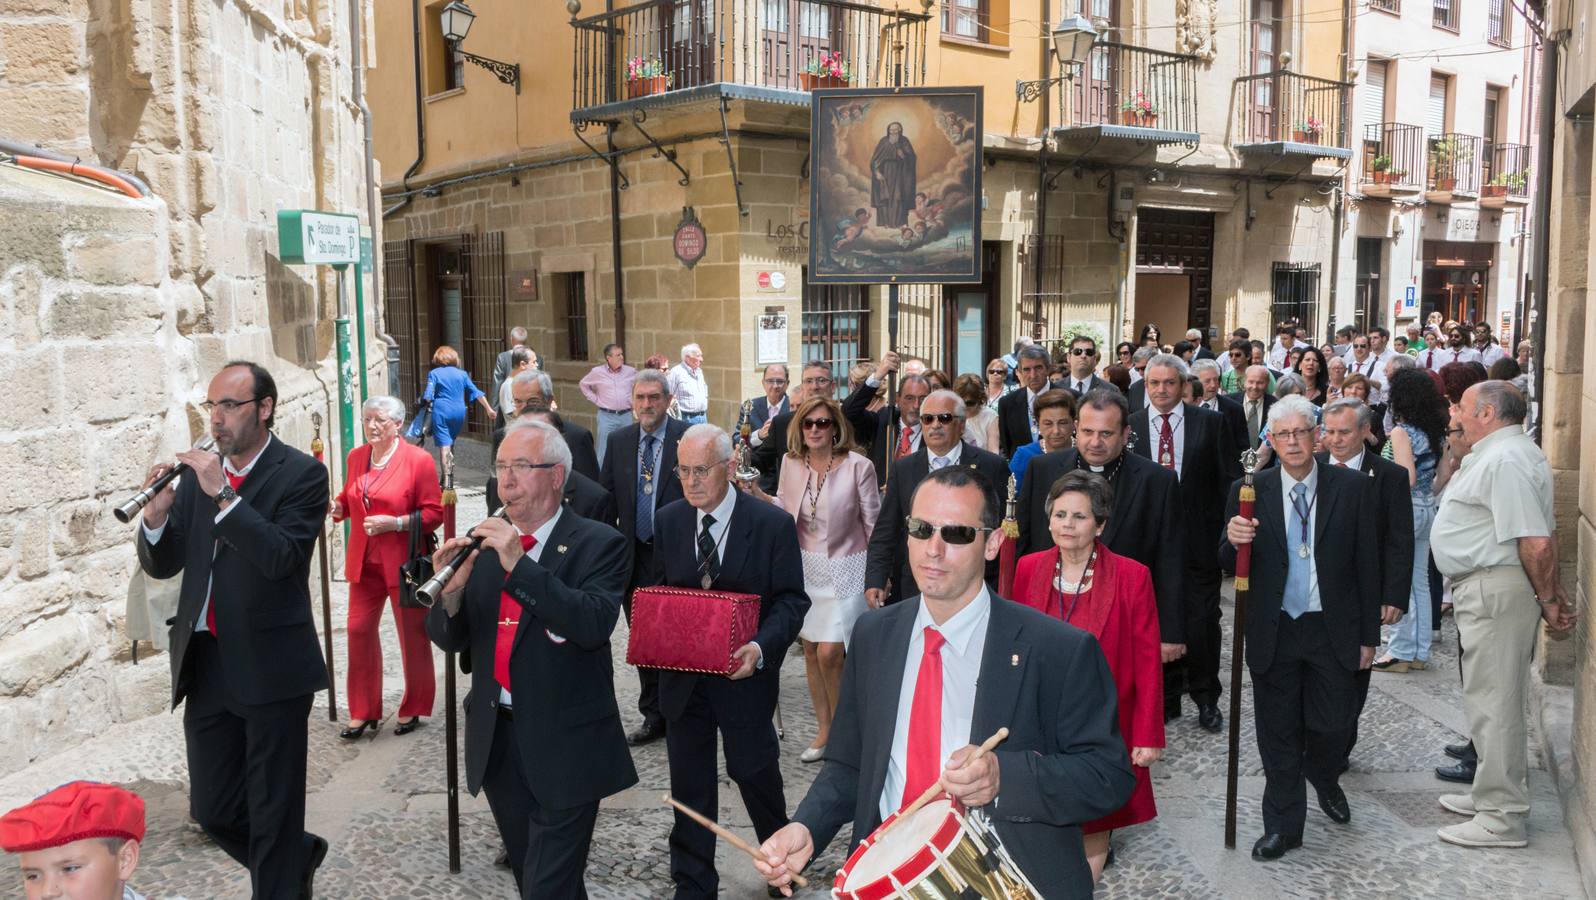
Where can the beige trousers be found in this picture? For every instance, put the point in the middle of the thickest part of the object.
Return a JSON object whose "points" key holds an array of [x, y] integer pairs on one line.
{"points": [[1496, 619]]}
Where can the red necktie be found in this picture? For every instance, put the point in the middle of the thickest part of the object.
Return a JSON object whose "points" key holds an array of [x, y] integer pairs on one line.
{"points": [[509, 618], [924, 764], [236, 481], [906, 442], [1166, 446]]}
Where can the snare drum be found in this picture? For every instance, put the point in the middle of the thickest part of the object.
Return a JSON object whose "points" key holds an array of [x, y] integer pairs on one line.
{"points": [[940, 852]]}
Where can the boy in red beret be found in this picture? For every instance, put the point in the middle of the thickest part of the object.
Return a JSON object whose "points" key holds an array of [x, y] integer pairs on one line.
{"points": [[78, 842]]}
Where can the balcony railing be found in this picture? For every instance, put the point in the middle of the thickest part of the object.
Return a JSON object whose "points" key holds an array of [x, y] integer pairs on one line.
{"points": [[1453, 163], [1507, 176], [1393, 159], [1498, 31], [1445, 13], [1284, 107], [1132, 86], [1390, 6], [657, 46]]}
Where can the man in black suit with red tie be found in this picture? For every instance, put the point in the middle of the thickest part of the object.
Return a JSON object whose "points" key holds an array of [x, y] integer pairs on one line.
{"points": [[1313, 620], [719, 539], [892, 433], [239, 528], [539, 600], [1195, 444], [989, 663], [640, 474]]}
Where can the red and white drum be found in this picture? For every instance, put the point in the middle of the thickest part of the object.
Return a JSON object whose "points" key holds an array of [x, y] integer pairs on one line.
{"points": [[941, 851]]}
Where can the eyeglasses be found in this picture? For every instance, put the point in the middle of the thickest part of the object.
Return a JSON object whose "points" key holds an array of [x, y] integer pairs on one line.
{"points": [[1082, 351], [1299, 434], [697, 473], [944, 418], [774, 381], [228, 406], [521, 469], [819, 379], [997, 371], [819, 423], [921, 530]]}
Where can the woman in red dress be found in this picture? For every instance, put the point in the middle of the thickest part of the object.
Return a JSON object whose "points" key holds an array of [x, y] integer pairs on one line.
{"points": [[387, 480], [1085, 584]]}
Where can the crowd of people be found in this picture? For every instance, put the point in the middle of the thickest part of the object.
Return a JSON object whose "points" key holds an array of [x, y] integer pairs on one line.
{"points": [[1395, 485]]}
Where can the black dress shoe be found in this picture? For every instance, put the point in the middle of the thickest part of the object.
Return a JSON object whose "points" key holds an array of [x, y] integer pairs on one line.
{"points": [[1462, 773], [1274, 846], [318, 852], [404, 728], [648, 733], [356, 732], [1171, 712], [1463, 751], [1334, 803], [503, 859], [1209, 718]]}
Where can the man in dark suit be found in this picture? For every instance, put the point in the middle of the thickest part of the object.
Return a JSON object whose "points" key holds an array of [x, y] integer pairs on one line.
{"points": [[716, 538], [641, 483], [532, 390], [993, 663], [1195, 337], [1346, 429], [1313, 620], [773, 402], [1137, 395], [1016, 417], [1083, 358], [581, 494], [539, 600], [1255, 401], [502, 366], [893, 433], [239, 528], [942, 416], [770, 441], [1207, 372], [1193, 443]]}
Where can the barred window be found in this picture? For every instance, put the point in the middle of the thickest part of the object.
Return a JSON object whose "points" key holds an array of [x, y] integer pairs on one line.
{"points": [[836, 328], [572, 292]]}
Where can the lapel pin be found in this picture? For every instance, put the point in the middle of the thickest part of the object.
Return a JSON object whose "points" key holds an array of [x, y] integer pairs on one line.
{"points": [[560, 549], [1014, 660]]}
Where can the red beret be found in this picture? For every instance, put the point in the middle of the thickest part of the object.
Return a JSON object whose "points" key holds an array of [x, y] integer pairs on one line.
{"points": [[73, 812]]}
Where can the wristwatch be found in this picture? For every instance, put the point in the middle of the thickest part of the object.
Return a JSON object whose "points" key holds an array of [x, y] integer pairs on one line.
{"points": [[225, 495]]}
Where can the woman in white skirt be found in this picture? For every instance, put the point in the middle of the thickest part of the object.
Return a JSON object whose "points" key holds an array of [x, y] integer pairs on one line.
{"points": [[830, 491]]}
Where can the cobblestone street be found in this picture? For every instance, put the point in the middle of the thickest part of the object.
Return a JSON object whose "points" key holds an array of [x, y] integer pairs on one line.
{"points": [[381, 804]]}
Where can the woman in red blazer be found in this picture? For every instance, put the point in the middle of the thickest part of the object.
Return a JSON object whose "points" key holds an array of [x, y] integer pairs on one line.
{"points": [[1085, 584], [388, 479]]}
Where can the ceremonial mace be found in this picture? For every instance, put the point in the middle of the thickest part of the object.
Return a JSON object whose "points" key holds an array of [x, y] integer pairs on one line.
{"points": [[1249, 462], [450, 704], [318, 449], [1011, 546]]}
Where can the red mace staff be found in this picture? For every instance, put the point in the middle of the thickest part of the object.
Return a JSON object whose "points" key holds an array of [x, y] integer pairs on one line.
{"points": [[1246, 497], [1011, 547]]}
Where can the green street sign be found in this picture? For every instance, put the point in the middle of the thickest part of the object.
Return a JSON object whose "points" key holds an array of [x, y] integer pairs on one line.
{"points": [[310, 237]]}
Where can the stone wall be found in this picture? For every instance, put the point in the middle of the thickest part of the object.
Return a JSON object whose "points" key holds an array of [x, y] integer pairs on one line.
{"points": [[115, 313]]}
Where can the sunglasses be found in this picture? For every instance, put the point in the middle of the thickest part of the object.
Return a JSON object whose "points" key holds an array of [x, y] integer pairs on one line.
{"points": [[921, 530], [943, 418], [818, 423], [997, 371], [1082, 351]]}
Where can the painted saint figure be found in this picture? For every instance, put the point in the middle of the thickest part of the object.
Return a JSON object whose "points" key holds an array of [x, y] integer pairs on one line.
{"points": [[892, 170]]}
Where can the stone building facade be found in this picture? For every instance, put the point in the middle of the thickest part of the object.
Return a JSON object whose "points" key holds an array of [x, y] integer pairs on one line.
{"points": [[115, 312]]}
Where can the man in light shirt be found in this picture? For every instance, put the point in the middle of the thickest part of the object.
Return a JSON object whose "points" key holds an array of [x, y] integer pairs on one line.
{"points": [[1486, 346], [689, 387], [1380, 348], [1454, 351], [608, 386], [1063, 762]]}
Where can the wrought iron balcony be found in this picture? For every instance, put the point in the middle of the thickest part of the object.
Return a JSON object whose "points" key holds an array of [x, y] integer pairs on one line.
{"points": [[1453, 164], [1139, 93], [659, 47], [1285, 113], [1393, 160], [1507, 176]]}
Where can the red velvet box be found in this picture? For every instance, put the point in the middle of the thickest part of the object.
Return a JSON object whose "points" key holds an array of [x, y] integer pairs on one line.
{"points": [[690, 630]]}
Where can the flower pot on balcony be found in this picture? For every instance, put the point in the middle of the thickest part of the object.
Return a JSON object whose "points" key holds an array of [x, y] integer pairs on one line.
{"points": [[1135, 118], [644, 87], [1445, 184], [809, 81], [1382, 177], [1303, 136], [1494, 190]]}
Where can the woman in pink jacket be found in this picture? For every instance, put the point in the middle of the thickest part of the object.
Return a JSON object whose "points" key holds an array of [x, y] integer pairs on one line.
{"points": [[830, 491]]}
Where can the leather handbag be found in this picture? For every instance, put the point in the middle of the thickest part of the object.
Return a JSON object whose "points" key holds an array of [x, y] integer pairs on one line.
{"points": [[417, 567], [689, 630]]}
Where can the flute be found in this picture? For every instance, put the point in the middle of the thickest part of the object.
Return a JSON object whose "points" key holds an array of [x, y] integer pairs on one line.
{"points": [[128, 510], [427, 595]]}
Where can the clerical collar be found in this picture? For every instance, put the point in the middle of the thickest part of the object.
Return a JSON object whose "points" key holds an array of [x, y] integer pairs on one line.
{"points": [[1108, 472]]}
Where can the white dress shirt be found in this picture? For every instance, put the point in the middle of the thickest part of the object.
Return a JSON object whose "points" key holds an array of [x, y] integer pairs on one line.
{"points": [[1436, 357], [965, 643], [1080, 385], [717, 532], [1155, 431], [153, 535], [1279, 356], [1294, 528], [952, 459], [1490, 354], [1355, 463], [541, 536]]}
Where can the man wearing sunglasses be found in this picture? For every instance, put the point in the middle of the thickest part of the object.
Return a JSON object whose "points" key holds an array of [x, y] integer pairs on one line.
{"points": [[928, 679], [1083, 366], [719, 539], [1313, 619], [888, 577]]}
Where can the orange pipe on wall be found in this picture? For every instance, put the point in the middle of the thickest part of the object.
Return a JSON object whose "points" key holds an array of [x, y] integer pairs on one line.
{"points": [[95, 173]]}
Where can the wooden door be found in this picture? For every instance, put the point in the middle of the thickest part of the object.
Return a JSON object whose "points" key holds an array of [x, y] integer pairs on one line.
{"points": [[689, 39], [1265, 50], [792, 33]]}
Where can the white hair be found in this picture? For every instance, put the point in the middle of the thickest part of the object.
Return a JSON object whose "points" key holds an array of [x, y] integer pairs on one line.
{"points": [[959, 407], [1292, 405], [1204, 365], [518, 334], [689, 350], [391, 408], [544, 382], [1194, 334], [555, 449], [1146, 353], [704, 430], [1169, 361]]}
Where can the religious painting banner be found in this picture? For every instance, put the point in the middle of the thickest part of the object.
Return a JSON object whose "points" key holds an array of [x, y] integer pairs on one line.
{"points": [[895, 185]]}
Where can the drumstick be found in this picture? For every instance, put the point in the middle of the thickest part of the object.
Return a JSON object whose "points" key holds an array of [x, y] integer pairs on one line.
{"points": [[730, 836], [938, 787]]}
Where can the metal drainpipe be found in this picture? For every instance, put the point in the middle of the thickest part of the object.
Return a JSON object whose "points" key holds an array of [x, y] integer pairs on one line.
{"points": [[615, 205], [1338, 198], [358, 87], [421, 122], [1543, 226], [1041, 180]]}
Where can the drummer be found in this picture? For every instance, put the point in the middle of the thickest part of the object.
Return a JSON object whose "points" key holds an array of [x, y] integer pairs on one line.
{"points": [[911, 706]]}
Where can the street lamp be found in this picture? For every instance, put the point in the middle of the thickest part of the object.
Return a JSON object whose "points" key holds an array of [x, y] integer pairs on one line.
{"points": [[1072, 39], [455, 20]]}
